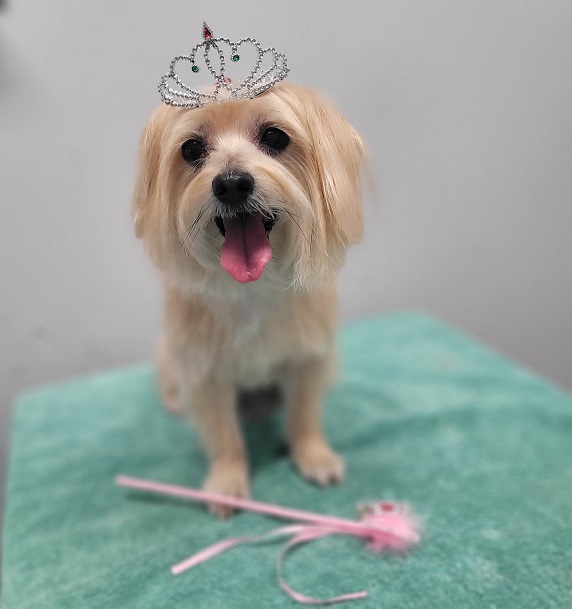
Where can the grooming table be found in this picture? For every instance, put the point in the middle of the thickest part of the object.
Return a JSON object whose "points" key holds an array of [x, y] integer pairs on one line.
{"points": [[481, 448]]}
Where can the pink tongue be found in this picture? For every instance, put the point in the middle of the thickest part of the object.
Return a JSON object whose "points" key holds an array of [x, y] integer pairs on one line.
{"points": [[246, 249]]}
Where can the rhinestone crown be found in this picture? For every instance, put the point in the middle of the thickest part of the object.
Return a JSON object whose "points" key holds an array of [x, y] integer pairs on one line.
{"points": [[269, 68]]}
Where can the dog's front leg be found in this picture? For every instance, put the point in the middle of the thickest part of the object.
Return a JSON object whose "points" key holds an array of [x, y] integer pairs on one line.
{"points": [[213, 407], [305, 388]]}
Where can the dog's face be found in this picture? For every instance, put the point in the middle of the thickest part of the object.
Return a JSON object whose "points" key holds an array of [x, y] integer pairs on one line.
{"points": [[263, 190]]}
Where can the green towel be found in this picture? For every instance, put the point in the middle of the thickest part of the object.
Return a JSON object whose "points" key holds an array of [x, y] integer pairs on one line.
{"points": [[480, 448]]}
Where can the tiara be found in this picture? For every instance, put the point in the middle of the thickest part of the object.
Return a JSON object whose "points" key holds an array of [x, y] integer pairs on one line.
{"points": [[269, 68]]}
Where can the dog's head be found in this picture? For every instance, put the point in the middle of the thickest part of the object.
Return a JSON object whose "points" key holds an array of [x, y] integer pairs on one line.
{"points": [[265, 189]]}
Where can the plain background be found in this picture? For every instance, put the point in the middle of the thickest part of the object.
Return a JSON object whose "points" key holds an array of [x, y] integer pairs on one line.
{"points": [[465, 105]]}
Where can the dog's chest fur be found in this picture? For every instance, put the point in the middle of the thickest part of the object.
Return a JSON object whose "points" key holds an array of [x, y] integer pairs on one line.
{"points": [[260, 344], [266, 335], [250, 341]]}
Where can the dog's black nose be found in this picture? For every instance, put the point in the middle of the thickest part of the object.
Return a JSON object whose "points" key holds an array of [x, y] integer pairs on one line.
{"points": [[233, 187]]}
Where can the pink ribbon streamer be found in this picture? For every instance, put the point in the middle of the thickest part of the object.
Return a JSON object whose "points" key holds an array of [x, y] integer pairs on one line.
{"points": [[385, 525], [302, 534]]}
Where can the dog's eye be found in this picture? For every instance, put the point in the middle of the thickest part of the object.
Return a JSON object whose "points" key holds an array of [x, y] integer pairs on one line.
{"points": [[192, 151], [275, 139]]}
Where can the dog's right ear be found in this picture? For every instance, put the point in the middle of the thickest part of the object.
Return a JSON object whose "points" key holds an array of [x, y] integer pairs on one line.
{"points": [[146, 183]]}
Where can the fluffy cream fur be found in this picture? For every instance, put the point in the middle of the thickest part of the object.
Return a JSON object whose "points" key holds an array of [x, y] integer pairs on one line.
{"points": [[222, 335]]}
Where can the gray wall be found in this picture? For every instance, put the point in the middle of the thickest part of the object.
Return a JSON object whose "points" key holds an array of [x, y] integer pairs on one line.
{"points": [[465, 107]]}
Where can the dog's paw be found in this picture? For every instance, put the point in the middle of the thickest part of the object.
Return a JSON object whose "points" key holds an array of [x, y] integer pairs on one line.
{"points": [[173, 405], [318, 462], [227, 478]]}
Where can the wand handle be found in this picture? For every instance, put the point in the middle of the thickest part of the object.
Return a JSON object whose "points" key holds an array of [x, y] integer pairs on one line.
{"points": [[341, 524]]}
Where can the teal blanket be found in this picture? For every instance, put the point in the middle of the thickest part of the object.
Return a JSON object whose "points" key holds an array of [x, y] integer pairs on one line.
{"points": [[480, 448]]}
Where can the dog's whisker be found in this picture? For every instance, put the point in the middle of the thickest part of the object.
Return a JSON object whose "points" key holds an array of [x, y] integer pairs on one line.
{"points": [[196, 223], [186, 234], [194, 236], [189, 231], [298, 225], [197, 219]]}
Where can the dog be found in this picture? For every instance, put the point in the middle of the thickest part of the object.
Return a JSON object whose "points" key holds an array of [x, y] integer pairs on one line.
{"points": [[248, 208]]}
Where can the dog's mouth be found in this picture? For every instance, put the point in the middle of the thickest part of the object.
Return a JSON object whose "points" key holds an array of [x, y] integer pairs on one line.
{"points": [[246, 249]]}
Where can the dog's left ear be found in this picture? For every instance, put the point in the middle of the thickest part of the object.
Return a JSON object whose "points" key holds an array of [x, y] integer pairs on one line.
{"points": [[338, 157], [335, 159]]}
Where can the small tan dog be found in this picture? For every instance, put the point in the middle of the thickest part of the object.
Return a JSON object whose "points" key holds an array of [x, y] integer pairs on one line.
{"points": [[248, 208]]}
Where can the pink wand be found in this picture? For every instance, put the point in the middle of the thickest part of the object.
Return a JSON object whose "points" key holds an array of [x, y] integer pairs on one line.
{"points": [[384, 525]]}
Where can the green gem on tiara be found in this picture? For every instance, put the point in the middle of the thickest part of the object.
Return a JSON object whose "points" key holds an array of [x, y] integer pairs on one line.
{"points": [[195, 68], [235, 57]]}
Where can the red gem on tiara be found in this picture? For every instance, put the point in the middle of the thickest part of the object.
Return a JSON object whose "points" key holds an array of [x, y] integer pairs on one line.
{"points": [[207, 34]]}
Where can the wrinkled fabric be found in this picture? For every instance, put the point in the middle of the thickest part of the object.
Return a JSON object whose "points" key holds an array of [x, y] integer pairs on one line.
{"points": [[480, 448]]}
